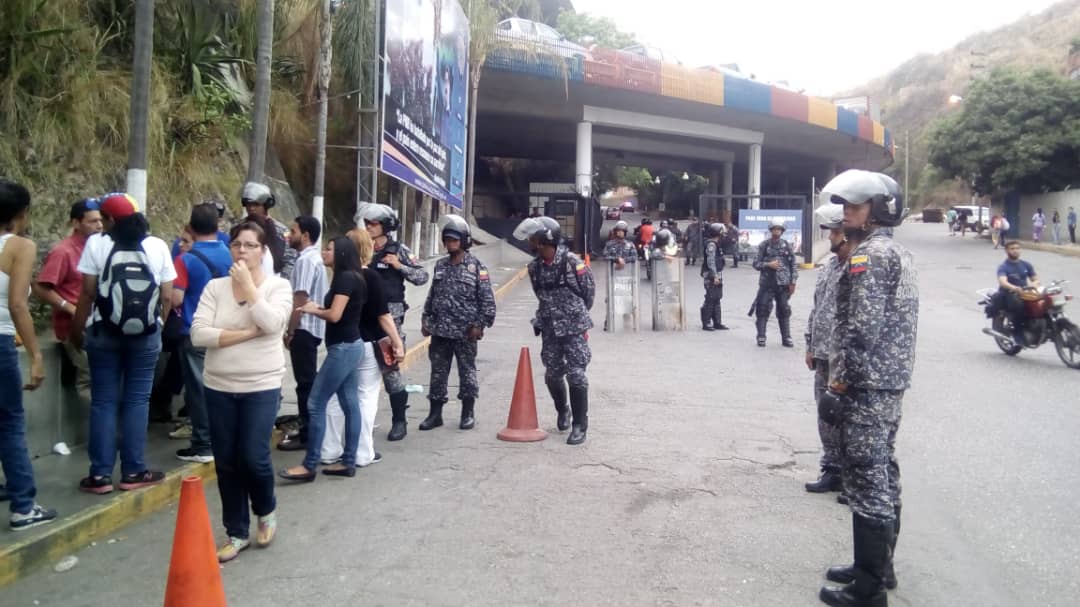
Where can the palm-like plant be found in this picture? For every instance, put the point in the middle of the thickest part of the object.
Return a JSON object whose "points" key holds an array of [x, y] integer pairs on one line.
{"points": [[195, 47]]}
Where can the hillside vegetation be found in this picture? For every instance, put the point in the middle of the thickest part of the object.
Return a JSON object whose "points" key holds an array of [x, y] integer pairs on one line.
{"points": [[915, 94]]}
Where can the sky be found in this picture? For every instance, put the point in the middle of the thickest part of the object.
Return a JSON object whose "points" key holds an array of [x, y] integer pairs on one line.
{"points": [[824, 46]]}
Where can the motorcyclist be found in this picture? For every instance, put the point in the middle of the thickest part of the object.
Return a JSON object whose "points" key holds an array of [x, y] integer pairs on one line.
{"points": [[1014, 275]]}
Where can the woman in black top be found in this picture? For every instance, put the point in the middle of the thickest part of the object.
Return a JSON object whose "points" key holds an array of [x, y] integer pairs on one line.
{"points": [[342, 311]]}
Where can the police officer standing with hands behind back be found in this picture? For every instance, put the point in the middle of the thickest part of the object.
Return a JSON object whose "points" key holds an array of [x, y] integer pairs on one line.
{"points": [[776, 262], [877, 308], [564, 286]]}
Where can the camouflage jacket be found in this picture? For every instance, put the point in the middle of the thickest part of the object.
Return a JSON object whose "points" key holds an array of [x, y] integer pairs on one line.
{"points": [[460, 298], [565, 290], [822, 319], [615, 249], [877, 314], [781, 250]]}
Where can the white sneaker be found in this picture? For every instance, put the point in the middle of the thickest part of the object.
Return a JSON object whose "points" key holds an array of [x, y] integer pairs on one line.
{"points": [[38, 515], [377, 459], [182, 432]]}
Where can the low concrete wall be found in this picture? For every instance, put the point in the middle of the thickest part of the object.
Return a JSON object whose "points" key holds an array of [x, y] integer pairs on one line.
{"points": [[53, 411], [1048, 203]]}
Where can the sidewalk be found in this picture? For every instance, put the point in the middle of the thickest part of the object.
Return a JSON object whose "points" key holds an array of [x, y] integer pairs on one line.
{"points": [[86, 518]]}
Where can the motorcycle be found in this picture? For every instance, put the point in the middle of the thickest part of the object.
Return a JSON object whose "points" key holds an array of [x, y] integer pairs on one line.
{"points": [[1044, 321]]}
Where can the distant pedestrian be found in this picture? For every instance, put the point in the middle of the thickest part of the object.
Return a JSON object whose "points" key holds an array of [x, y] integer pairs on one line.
{"points": [[995, 230], [1070, 219], [565, 289], [693, 241], [1055, 225], [950, 220], [459, 306], [240, 321], [18, 255], [1038, 222]]}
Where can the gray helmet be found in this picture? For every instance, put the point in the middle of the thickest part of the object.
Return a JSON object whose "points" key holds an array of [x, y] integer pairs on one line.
{"points": [[830, 216], [258, 193], [621, 225], [382, 215], [777, 222], [662, 238], [861, 187], [714, 229], [456, 227], [544, 229]]}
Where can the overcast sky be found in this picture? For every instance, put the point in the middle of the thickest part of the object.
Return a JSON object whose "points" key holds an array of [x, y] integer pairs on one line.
{"points": [[824, 46]]}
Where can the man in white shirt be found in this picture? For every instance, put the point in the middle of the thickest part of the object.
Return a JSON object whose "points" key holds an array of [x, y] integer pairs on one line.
{"points": [[306, 331], [122, 343]]}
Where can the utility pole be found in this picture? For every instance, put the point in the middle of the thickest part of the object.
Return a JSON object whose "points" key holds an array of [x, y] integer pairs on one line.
{"points": [[140, 101], [326, 52]]}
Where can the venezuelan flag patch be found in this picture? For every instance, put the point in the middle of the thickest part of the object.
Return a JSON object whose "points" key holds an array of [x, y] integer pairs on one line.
{"points": [[859, 263], [580, 268], [484, 275]]}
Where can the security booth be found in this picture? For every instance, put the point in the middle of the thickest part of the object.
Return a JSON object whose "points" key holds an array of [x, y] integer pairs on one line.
{"points": [[668, 294], [622, 308]]}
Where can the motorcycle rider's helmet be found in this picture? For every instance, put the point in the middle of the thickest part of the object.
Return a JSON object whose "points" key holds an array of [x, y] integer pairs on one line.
{"points": [[539, 230], [714, 229], [457, 228], [857, 187], [830, 217], [382, 215]]}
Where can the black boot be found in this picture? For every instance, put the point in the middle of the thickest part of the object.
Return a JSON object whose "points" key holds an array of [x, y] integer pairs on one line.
{"points": [[873, 540], [579, 403], [399, 401], [828, 481], [717, 318], [762, 322], [468, 422], [434, 418], [846, 575], [558, 394], [785, 332], [706, 320]]}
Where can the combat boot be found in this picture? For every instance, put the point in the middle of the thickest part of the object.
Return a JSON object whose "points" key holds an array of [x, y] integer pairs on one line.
{"points": [[399, 401], [706, 320], [761, 324], [846, 574], [579, 402], [828, 481], [785, 332], [717, 316], [558, 394], [872, 541], [434, 418], [468, 422]]}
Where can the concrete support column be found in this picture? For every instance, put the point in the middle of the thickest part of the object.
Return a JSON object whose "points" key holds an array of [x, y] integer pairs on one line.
{"points": [[729, 189], [753, 185], [583, 179], [714, 188]]}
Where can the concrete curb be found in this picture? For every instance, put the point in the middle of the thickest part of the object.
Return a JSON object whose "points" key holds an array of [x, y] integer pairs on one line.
{"points": [[73, 533]]}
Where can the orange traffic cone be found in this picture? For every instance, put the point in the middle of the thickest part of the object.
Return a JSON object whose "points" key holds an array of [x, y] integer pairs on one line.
{"points": [[194, 574], [522, 425]]}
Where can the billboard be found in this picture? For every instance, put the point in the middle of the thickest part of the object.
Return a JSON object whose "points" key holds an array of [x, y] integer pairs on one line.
{"points": [[754, 227], [425, 96]]}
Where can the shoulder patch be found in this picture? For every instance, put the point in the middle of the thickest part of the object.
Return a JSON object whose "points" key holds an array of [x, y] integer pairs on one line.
{"points": [[484, 274], [580, 268], [859, 263]]}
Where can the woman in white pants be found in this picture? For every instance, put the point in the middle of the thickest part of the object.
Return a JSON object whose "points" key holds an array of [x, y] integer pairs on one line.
{"points": [[376, 323]]}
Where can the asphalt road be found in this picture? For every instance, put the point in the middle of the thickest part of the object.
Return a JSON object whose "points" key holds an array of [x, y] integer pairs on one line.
{"points": [[689, 489]]}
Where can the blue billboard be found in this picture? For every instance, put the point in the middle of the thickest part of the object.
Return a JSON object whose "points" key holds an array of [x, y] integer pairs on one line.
{"points": [[754, 226]]}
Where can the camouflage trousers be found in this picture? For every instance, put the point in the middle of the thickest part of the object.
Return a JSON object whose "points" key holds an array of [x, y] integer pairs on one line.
{"points": [[441, 353], [391, 377], [870, 471], [566, 357], [832, 437]]}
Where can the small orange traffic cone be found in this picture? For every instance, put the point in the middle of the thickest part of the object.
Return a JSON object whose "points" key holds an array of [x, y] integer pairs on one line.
{"points": [[194, 574], [522, 425]]}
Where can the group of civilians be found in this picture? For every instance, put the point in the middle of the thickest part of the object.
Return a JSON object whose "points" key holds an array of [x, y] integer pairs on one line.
{"points": [[232, 313]]}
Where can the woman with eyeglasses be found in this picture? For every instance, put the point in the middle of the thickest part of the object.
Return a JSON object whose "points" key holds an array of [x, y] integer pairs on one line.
{"points": [[343, 311], [240, 321]]}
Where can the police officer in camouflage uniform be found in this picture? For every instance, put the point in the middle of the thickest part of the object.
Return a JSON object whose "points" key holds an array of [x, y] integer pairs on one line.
{"points": [[564, 286], [459, 306], [877, 307], [819, 330], [712, 271], [618, 248], [395, 264], [779, 272]]}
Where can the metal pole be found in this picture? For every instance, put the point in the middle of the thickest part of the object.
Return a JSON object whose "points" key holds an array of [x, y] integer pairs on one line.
{"points": [[907, 162]]}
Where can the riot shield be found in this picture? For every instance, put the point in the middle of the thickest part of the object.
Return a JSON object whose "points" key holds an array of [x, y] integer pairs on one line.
{"points": [[669, 294], [622, 298]]}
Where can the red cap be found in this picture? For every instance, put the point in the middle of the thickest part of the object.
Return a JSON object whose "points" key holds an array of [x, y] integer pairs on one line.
{"points": [[119, 206]]}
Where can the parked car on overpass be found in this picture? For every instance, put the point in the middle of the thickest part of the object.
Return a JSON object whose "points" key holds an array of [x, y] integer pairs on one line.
{"points": [[516, 27]]}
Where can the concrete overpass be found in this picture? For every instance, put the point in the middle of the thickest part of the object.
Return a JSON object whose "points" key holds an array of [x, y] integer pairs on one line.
{"points": [[749, 138]]}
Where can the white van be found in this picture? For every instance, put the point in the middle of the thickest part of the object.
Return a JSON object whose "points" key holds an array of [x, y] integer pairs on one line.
{"points": [[978, 218]]}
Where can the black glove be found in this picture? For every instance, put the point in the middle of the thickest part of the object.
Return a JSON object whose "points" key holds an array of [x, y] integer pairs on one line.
{"points": [[831, 407], [536, 327]]}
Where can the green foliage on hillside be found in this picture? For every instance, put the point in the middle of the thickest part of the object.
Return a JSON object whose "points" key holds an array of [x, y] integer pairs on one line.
{"points": [[1015, 130], [581, 27]]}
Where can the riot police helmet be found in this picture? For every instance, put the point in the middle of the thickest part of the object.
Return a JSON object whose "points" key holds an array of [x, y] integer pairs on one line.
{"points": [[382, 215], [541, 230], [830, 217], [859, 187], [455, 226], [777, 222], [714, 229], [662, 239]]}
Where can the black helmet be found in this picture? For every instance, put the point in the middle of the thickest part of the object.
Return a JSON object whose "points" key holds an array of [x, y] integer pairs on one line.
{"points": [[544, 230], [860, 187], [382, 215], [714, 229], [456, 227]]}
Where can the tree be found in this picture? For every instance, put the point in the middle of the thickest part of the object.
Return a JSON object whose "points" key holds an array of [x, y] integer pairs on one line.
{"points": [[140, 100], [1014, 131], [579, 27], [260, 109]]}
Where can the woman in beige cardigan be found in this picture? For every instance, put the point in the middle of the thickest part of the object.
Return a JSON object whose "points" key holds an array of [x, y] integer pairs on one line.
{"points": [[240, 321]]}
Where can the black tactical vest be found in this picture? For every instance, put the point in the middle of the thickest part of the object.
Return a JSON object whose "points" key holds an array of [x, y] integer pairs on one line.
{"points": [[393, 281]]}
